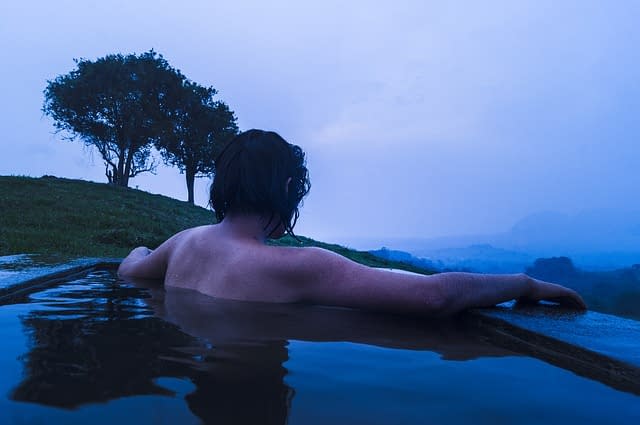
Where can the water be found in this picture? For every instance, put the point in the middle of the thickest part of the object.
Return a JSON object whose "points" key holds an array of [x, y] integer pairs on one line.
{"points": [[100, 350]]}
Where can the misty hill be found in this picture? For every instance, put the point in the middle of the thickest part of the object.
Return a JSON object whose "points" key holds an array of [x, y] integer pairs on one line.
{"points": [[587, 233], [594, 239], [482, 258]]}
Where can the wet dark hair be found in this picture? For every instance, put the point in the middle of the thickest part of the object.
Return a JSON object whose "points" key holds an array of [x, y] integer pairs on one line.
{"points": [[250, 177]]}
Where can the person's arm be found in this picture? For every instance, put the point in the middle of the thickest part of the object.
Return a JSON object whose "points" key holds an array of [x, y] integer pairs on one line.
{"points": [[465, 290], [145, 263], [327, 278]]}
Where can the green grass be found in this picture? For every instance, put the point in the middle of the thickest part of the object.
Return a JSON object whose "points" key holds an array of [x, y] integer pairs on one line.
{"points": [[76, 218]]}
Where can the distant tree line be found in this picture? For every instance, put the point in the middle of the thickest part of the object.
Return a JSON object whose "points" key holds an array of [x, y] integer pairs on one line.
{"points": [[125, 105], [614, 291]]}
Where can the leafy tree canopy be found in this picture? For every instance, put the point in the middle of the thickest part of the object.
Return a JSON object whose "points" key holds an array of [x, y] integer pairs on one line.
{"points": [[117, 104], [198, 128]]}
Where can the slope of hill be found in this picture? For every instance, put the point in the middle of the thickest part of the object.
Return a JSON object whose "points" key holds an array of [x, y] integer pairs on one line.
{"points": [[595, 239], [482, 258], [76, 218]]}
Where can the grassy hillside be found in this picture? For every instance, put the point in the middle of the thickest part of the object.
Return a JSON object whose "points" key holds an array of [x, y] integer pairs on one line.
{"points": [[77, 218]]}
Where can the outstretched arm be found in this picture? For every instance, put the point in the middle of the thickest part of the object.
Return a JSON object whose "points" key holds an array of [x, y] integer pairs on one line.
{"points": [[144, 263], [330, 279], [465, 290]]}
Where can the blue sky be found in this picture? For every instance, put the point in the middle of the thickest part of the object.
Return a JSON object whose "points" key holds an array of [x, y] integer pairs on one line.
{"points": [[419, 118]]}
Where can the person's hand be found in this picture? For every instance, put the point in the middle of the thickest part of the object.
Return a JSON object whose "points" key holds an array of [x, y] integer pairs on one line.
{"points": [[141, 251], [138, 253], [546, 291], [140, 263]]}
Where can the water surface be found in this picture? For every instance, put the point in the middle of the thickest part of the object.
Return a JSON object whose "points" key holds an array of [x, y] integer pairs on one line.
{"points": [[100, 350]]}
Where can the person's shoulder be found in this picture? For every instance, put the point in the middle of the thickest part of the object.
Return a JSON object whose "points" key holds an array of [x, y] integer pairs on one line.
{"points": [[197, 229], [305, 261], [294, 253], [191, 232], [184, 237]]}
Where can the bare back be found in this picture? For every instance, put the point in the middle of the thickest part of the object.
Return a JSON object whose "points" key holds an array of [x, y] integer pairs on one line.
{"points": [[204, 260]]}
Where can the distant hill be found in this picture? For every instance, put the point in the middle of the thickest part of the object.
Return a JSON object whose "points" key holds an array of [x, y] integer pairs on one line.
{"points": [[591, 234], [77, 218], [405, 257], [482, 258], [603, 239]]}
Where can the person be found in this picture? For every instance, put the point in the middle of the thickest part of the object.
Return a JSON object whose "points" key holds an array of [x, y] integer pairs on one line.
{"points": [[259, 183]]}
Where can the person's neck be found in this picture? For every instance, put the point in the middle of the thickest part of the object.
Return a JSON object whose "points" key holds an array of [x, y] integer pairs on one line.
{"points": [[245, 226]]}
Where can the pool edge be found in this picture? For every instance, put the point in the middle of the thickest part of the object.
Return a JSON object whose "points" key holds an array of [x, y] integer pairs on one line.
{"points": [[48, 278]]}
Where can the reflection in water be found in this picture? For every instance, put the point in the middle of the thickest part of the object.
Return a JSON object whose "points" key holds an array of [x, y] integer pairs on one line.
{"points": [[243, 383], [93, 343], [99, 339]]}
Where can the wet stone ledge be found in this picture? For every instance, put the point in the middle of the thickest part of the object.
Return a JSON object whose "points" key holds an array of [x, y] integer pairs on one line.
{"points": [[598, 346], [19, 276]]}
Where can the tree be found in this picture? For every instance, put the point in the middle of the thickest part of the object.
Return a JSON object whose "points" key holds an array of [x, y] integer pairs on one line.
{"points": [[559, 269], [115, 104], [198, 129]]}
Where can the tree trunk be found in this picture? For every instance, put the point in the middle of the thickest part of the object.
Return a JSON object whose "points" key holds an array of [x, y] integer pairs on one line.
{"points": [[191, 177], [118, 177], [127, 169], [107, 172], [111, 174]]}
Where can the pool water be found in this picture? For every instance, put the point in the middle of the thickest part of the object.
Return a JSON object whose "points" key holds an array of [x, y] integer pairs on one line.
{"points": [[98, 350]]}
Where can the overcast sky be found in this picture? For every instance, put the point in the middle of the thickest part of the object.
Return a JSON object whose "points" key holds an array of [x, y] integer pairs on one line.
{"points": [[419, 118]]}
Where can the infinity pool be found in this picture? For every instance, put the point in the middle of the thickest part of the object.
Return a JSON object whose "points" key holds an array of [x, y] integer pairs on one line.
{"points": [[99, 350]]}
